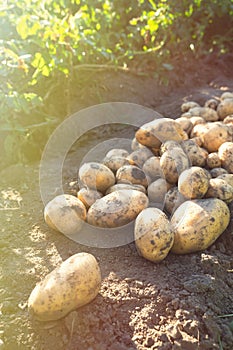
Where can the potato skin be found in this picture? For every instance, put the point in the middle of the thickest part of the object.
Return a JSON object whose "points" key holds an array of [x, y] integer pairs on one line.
{"points": [[193, 182], [117, 208], [96, 176], [74, 283], [131, 174], [88, 196], [172, 163], [153, 234], [225, 153], [65, 213], [219, 188], [198, 223]]}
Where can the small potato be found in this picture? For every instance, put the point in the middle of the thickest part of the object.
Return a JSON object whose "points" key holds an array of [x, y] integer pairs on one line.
{"points": [[219, 188], [156, 192], [136, 145], [186, 106], [117, 152], [96, 176], [213, 160], [215, 172], [185, 123], [225, 108], [139, 156], [114, 162], [211, 103], [193, 183], [169, 145], [118, 187], [158, 131], [172, 163], [117, 208], [173, 199], [131, 174], [74, 283], [197, 120], [152, 168], [208, 114], [228, 120], [153, 234], [226, 95], [198, 223], [227, 177], [225, 153], [197, 155], [65, 213], [88, 196]]}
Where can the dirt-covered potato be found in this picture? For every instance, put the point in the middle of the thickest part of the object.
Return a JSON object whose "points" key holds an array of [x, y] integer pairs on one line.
{"points": [[225, 108], [211, 103], [136, 145], [158, 131], [131, 174], [115, 162], [117, 152], [213, 160], [186, 106], [172, 163], [185, 123], [73, 284], [197, 155], [193, 182], [226, 95], [225, 153], [208, 114], [169, 145], [88, 196], [173, 199], [117, 208], [215, 172], [156, 192], [152, 168], [212, 134], [153, 234], [196, 121], [198, 223], [118, 187], [65, 213], [220, 188], [139, 156], [96, 176], [227, 177], [228, 119]]}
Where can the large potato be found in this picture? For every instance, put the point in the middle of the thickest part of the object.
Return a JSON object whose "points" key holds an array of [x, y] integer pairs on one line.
{"points": [[153, 234], [96, 176], [158, 131], [65, 213], [172, 163], [225, 153], [193, 182], [198, 223], [219, 188], [117, 208], [74, 283]]}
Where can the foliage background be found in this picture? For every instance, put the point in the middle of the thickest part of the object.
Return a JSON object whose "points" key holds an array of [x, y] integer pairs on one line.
{"points": [[45, 44]]}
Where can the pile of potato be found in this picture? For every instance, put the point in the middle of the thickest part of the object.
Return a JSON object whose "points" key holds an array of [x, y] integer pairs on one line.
{"points": [[176, 183]]}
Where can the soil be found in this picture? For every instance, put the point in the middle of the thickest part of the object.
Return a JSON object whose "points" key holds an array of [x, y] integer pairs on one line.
{"points": [[180, 303]]}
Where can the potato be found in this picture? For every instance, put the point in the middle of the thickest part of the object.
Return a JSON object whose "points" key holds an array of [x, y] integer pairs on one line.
{"points": [[185, 123], [169, 145], [225, 153], [65, 213], [117, 208], [114, 162], [226, 95], [186, 106], [156, 192], [208, 114], [196, 121], [227, 177], [152, 168], [211, 103], [136, 145], [213, 160], [193, 182], [225, 108], [173, 199], [131, 174], [158, 131], [228, 120], [88, 196], [153, 234], [139, 156], [197, 155], [172, 163], [118, 187], [73, 284], [117, 152], [212, 134], [215, 172], [219, 188], [198, 223], [96, 176]]}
